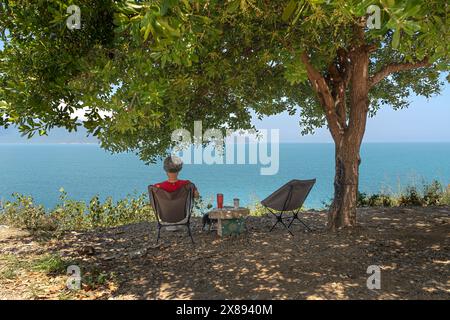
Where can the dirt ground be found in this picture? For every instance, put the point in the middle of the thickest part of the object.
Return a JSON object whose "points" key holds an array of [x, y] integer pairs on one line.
{"points": [[411, 246]]}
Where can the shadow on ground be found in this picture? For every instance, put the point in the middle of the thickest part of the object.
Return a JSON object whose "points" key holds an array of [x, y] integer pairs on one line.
{"points": [[409, 245]]}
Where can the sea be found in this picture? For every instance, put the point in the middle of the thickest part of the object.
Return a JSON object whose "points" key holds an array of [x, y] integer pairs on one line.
{"points": [[85, 170]]}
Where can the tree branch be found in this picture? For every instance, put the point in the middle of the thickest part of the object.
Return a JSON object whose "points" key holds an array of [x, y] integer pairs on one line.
{"points": [[344, 62], [393, 68], [337, 79], [322, 90], [372, 47]]}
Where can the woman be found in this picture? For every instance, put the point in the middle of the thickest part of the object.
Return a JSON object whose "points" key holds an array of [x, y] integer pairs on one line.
{"points": [[172, 167]]}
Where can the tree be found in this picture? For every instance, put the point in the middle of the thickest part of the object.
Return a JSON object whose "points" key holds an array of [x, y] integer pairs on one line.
{"points": [[168, 63]]}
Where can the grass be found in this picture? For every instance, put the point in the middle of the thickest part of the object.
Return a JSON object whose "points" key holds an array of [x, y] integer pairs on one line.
{"points": [[51, 264], [11, 265]]}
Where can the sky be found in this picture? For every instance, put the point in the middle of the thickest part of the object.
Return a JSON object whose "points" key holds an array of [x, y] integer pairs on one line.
{"points": [[426, 120]]}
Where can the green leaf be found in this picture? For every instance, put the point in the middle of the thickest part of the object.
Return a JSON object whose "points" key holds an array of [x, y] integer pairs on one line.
{"points": [[289, 10], [233, 6], [147, 31], [396, 39], [3, 104], [390, 3]]}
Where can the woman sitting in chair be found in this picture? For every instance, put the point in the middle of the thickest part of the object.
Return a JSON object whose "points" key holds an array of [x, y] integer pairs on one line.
{"points": [[172, 167]]}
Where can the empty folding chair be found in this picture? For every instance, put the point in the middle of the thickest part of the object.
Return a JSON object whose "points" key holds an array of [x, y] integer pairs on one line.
{"points": [[288, 199]]}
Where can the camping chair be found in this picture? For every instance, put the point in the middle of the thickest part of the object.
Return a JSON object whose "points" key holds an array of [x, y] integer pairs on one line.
{"points": [[172, 208], [288, 198]]}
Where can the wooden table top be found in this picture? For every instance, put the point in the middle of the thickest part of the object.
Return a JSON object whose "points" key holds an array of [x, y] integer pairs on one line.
{"points": [[228, 213]]}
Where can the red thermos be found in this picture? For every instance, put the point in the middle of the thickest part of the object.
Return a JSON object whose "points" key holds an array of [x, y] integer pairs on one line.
{"points": [[220, 200]]}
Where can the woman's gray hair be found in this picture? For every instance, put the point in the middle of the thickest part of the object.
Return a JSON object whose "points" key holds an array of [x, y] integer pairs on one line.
{"points": [[173, 164]]}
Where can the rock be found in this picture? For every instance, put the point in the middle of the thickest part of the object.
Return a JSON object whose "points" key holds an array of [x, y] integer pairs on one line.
{"points": [[137, 253], [156, 246], [87, 251]]}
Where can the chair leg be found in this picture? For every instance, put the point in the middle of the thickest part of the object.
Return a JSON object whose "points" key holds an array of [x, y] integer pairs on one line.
{"points": [[306, 226], [287, 228], [190, 234], [210, 226], [278, 220], [295, 216], [159, 234]]}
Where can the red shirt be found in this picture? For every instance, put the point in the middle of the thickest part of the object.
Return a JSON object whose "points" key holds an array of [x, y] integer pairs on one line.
{"points": [[171, 186]]}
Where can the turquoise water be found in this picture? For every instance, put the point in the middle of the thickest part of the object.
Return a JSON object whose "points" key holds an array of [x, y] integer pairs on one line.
{"points": [[85, 170]]}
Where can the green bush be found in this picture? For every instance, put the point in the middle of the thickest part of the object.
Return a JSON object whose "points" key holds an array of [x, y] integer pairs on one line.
{"points": [[375, 200], [24, 213], [362, 199], [202, 206], [381, 200], [445, 197], [432, 193], [258, 210], [69, 214]]}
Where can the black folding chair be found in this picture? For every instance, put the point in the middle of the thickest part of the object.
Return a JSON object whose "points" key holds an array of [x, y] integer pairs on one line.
{"points": [[288, 199], [173, 208]]}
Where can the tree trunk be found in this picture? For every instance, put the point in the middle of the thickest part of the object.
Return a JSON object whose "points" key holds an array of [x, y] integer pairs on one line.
{"points": [[347, 125], [343, 208]]}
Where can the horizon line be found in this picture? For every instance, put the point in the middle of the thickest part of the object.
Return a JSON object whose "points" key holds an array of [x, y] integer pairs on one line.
{"points": [[282, 142]]}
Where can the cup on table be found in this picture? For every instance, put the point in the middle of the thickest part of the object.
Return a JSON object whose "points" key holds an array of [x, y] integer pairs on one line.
{"points": [[220, 200], [236, 203]]}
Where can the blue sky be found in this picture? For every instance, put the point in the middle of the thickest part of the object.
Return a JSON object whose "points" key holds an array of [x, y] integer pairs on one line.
{"points": [[426, 120]]}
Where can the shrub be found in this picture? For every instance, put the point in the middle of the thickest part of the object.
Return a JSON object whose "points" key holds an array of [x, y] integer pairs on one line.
{"points": [[362, 199], [258, 210], [75, 215], [375, 200], [69, 214], [202, 206], [381, 200], [410, 197], [22, 212], [445, 197], [432, 193]]}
